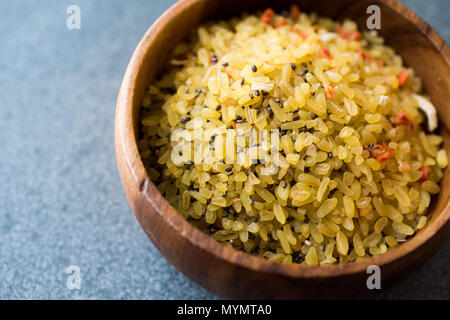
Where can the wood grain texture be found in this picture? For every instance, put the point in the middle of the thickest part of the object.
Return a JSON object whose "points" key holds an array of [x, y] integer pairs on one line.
{"points": [[234, 274]]}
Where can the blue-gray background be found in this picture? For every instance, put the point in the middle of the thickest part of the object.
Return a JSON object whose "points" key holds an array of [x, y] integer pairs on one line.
{"points": [[61, 199]]}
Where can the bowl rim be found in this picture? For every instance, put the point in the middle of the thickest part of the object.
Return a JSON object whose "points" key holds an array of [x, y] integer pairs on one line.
{"points": [[125, 133]]}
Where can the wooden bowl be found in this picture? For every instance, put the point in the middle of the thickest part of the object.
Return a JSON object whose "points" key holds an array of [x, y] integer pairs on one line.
{"points": [[234, 274]]}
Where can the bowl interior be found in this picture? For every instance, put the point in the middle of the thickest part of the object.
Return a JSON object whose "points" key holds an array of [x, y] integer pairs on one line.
{"points": [[420, 47]]}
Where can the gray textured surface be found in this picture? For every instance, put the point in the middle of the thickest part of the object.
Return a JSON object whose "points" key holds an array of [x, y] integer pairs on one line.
{"points": [[61, 200]]}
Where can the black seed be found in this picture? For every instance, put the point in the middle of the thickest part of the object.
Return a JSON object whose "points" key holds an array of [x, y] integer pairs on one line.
{"points": [[298, 257], [270, 111], [197, 93], [276, 100], [228, 169], [214, 59], [256, 93], [242, 81], [295, 111], [306, 170], [330, 194], [203, 212], [293, 66], [295, 118], [250, 95], [301, 74], [251, 236], [303, 129], [304, 65], [330, 155], [304, 79], [231, 210], [238, 117], [328, 112], [254, 68], [281, 105], [284, 184], [311, 130], [258, 111], [212, 230], [225, 64], [187, 90], [313, 115], [218, 107], [251, 201], [184, 120], [264, 93]]}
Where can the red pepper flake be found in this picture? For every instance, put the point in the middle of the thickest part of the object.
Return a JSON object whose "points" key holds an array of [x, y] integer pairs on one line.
{"points": [[402, 77], [424, 176], [349, 35], [329, 91], [324, 52], [227, 70], [380, 152], [267, 16], [303, 35], [294, 14], [387, 154], [380, 62], [404, 119], [282, 22], [365, 56]]}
